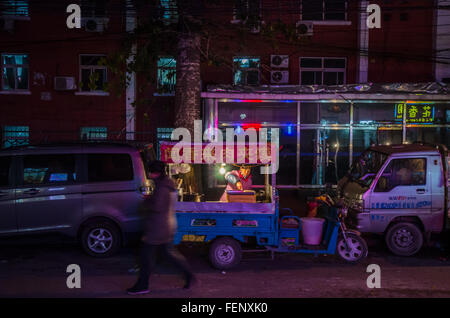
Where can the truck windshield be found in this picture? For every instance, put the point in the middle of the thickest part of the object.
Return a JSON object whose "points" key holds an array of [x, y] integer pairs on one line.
{"points": [[366, 166]]}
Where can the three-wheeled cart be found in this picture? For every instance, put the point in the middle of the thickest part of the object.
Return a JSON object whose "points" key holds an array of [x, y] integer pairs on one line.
{"points": [[226, 226]]}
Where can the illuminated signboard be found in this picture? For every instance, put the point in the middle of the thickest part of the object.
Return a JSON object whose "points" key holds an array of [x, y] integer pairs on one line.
{"points": [[417, 113]]}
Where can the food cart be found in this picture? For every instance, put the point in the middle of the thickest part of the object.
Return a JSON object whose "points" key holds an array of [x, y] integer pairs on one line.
{"points": [[227, 226]]}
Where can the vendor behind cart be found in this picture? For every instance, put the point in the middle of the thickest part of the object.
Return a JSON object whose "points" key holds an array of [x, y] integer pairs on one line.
{"points": [[239, 180]]}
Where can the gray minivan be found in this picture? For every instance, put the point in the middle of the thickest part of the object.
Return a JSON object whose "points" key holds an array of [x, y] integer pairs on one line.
{"points": [[91, 192]]}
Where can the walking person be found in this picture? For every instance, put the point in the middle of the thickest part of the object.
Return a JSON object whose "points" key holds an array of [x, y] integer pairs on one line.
{"points": [[160, 225]]}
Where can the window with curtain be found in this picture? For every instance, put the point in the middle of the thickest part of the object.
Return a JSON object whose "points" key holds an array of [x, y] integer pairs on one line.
{"points": [[166, 75], [14, 8], [14, 136], [94, 133], [246, 70], [169, 11], [92, 73], [14, 72]]}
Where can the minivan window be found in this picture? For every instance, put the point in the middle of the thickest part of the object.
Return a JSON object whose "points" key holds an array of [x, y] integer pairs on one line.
{"points": [[109, 167], [48, 169], [5, 163]]}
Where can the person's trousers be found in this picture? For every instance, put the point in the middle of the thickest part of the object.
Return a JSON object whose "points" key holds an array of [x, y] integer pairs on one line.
{"points": [[166, 251]]}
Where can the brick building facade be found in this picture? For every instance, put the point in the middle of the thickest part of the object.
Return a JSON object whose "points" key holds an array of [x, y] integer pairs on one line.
{"points": [[46, 94]]}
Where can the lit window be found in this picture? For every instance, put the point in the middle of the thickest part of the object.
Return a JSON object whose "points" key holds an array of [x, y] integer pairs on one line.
{"points": [[246, 70], [14, 8], [320, 10], [14, 72], [14, 136], [169, 11], [322, 71], [166, 75], [164, 133], [94, 133], [92, 73]]}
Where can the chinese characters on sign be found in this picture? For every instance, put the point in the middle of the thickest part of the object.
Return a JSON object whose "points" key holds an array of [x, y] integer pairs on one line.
{"points": [[415, 113]]}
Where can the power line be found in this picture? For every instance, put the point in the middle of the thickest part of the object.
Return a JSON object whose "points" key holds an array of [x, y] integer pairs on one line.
{"points": [[110, 37]]}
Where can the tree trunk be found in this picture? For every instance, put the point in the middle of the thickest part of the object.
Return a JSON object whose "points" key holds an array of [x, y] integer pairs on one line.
{"points": [[187, 96], [188, 85]]}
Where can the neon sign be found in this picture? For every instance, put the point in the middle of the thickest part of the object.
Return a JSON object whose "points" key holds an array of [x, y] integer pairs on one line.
{"points": [[416, 112]]}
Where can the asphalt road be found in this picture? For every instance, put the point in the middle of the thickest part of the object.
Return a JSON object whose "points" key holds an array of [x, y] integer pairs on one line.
{"points": [[37, 268]]}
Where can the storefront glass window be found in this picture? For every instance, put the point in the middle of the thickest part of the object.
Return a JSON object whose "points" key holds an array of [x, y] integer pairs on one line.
{"points": [[334, 113], [324, 147], [389, 136], [368, 113], [287, 171], [309, 156], [243, 112], [329, 113], [431, 135], [308, 113], [363, 139], [335, 144], [324, 155], [427, 132]]}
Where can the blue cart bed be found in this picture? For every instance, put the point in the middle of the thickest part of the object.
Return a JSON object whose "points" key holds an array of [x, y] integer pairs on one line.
{"points": [[204, 221]]}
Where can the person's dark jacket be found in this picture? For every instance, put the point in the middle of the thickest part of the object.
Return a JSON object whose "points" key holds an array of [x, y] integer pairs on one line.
{"points": [[160, 223]]}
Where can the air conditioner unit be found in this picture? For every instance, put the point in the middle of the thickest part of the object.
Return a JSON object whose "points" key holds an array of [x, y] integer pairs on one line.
{"points": [[6, 24], [94, 24], [279, 77], [63, 83], [281, 61], [304, 28]]}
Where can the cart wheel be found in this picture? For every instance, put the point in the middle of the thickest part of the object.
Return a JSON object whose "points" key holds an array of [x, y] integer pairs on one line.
{"points": [[225, 253], [352, 251]]}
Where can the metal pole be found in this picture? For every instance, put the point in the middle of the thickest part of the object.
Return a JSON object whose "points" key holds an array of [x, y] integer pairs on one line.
{"points": [[298, 144], [404, 123], [350, 146]]}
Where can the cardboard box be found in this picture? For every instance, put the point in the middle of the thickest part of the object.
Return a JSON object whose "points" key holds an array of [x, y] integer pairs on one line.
{"points": [[246, 196]]}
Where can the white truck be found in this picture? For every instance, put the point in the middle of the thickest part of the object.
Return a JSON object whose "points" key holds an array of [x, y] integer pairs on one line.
{"points": [[399, 191]]}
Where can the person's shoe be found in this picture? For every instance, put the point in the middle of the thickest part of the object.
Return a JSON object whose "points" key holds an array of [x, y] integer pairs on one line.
{"points": [[134, 269], [191, 282], [136, 290]]}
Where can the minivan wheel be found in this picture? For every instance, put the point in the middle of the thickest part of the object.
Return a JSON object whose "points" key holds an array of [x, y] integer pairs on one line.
{"points": [[100, 239], [404, 239]]}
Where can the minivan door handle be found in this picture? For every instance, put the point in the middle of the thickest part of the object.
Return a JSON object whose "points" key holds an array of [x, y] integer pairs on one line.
{"points": [[31, 191], [420, 191]]}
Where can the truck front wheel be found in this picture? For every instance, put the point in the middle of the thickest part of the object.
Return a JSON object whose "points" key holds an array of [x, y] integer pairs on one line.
{"points": [[404, 239], [225, 253]]}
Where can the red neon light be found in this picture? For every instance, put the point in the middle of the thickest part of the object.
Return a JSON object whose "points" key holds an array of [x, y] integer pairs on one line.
{"points": [[255, 126]]}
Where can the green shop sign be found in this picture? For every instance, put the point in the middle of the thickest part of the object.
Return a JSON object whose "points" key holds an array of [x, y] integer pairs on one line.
{"points": [[418, 113]]}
